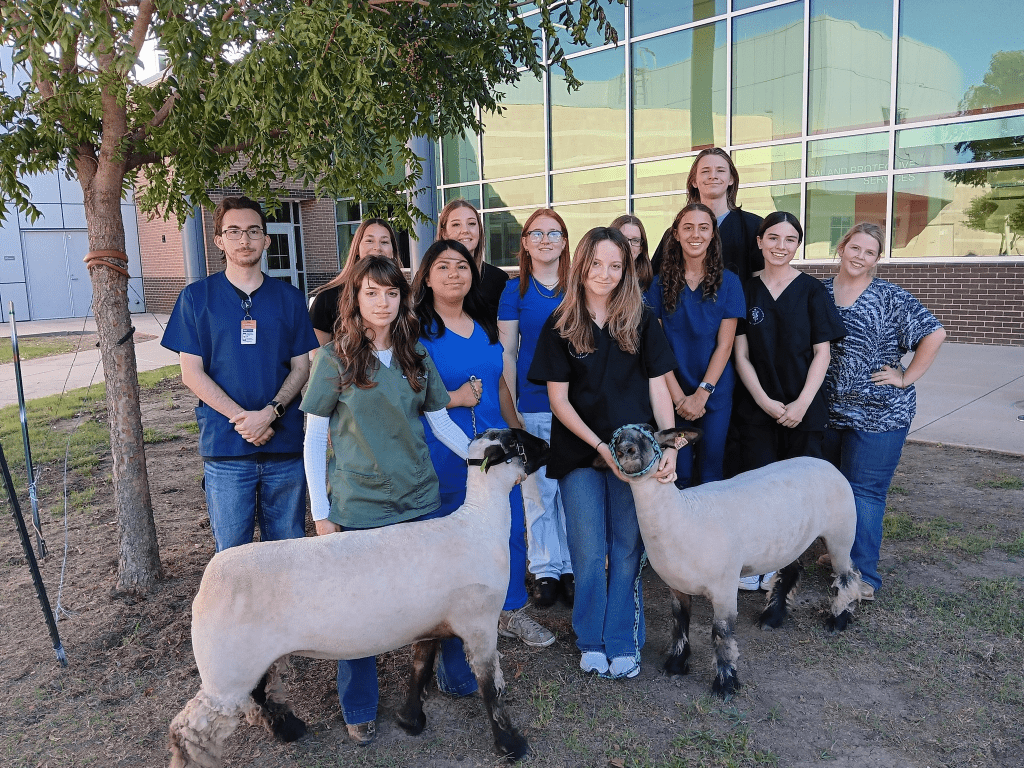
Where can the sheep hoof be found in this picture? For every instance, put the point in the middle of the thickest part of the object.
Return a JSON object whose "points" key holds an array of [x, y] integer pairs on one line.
{"points": [[512, 745], [726, 684], [289, 728], [772, 616], [678, 664], [838, 623], [412, 725]]}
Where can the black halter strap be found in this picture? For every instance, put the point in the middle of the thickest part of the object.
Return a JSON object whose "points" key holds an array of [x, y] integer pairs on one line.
{"points": [[505, 458]]}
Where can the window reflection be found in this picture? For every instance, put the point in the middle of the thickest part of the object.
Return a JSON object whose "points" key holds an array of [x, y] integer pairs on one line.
{"points": [[835, 206], [580, 219], [767, 74], [657, 214], [469, 193], [1001, 139], [653, 15], [616, 15], [850, 154], [781, 161], [973, 213], [503, 229], [588, 126], [765, 200], [513, 142], [588, 185], [459, 158], [679, 91], [515, 193], [851, 64], [661, 175]]}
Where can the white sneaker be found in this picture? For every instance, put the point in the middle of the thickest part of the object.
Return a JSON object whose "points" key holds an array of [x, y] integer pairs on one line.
{"points": [[765, 585], [750, 583], [594, 661], [624, 667]]}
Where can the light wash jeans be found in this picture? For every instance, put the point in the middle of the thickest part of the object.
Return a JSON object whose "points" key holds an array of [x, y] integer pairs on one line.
{"points": [[868, 460], [547, 548]]}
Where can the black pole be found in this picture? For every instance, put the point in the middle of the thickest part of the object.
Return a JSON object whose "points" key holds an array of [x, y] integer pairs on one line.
{"points": [[37, 578]]}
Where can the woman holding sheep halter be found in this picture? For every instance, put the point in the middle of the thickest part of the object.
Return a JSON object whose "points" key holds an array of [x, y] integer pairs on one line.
{"points": [[603, 356], [462, 339], [871, 397], [369, 388]]}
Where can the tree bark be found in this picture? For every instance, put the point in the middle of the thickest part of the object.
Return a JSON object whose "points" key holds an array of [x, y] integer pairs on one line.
{"points": [[139, 556]]}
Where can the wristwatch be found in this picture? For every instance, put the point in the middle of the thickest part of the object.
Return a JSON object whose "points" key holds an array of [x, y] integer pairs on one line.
{"points": [[278, 408], [709, 388]]}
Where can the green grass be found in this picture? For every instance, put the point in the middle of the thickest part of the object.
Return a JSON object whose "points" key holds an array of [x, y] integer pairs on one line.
{"points": [[151, 436], [32, 347], [991, 605], [937, 532], [1004, 482]]}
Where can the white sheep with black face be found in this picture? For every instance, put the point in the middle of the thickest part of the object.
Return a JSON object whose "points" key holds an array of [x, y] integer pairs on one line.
{"points": [[701, 540], [376, 590]]}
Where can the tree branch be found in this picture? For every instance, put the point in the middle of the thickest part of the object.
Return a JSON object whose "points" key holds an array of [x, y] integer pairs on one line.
{"points": [[161, 115], [141, 25]]}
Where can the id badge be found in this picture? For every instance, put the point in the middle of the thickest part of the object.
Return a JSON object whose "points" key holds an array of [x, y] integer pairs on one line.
{"points": [[248, 331]]}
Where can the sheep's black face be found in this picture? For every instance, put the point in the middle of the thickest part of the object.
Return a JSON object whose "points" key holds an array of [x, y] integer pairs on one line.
{"points": [[515, 443], [633, 450]]}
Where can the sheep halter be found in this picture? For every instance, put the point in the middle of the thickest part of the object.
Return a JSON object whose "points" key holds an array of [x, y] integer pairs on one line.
{"points": [[646, 432]]}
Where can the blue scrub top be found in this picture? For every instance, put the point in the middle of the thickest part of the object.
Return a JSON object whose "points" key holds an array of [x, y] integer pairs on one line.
{"points": [[531, 311]]}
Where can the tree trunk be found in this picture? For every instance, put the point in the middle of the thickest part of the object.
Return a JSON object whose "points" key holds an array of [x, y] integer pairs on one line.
{"points": [[139, 558]]}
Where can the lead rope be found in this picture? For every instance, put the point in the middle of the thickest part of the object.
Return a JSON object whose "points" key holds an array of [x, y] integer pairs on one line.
{"points": [[473, 380]]}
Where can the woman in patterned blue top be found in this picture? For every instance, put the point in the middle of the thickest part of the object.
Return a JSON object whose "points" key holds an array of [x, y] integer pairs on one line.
{"points": [[871, 396]]}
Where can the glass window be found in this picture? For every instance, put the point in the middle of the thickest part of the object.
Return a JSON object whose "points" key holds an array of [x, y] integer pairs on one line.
{"points": [[851, 154], [460, 161], [767, 74], [959, 213], [588, 126], [588, 185], [657, 214], [513, 142], [679, 91], [616, 15], [504, 229], [652, 15], [851, 65], [346, 210], [835, 206], [580, 219], [515, 193], [739, 5], [780, 161], [1001, 139], [661, 175], [768, 199], [956, 59], [470, 193]]}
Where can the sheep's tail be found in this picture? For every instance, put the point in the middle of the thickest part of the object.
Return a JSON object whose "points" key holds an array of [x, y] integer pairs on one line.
{"points": [[271, 707], [199, 731]]}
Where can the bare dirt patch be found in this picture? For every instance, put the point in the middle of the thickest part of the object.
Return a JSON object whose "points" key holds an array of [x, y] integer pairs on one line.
{"points": [[930, 674]]}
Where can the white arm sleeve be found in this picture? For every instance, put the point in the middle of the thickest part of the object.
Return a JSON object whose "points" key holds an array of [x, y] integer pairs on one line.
{"points": [[314, 457], [448, 432]]}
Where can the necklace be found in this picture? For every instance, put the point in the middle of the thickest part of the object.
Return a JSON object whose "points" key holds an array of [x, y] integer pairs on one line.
{"points": [[537, 287], [695, 282]]}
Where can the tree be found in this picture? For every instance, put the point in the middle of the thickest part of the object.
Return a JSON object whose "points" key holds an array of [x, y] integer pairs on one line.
{"points": [[327, 92]]}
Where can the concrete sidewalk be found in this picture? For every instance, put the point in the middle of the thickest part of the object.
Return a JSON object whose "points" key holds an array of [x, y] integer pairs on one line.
{"points": [[971, 397]]}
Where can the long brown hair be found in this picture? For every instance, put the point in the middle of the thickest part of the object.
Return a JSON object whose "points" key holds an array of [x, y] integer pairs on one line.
{"points": [[353, 253], [526, 264], [673, 263], [442, 226], [693, 194], [642, 262], [625, 305], [354, 347]]}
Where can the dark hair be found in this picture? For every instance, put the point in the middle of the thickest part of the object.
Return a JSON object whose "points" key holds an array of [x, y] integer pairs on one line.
{"points": [[236, 203], [353, 252], [693, 194], [781, 217], [642, 262], [351, 343], [526, 265], [673, 265], [431, 324]]}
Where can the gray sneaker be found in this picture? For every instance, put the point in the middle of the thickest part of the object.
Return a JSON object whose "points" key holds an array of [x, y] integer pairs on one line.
{"points": [[518, 624]]}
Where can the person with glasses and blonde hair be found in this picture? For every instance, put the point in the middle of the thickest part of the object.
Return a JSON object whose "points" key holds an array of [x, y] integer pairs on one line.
{"points": [[871, 397], [603, 356], [526, 303], [460, 221], [243, 340], [630, 226], [375, 237]]}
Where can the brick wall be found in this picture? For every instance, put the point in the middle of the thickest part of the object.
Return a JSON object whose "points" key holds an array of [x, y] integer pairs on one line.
{"points": [[979, 303], [163, 267], [320, 242]]}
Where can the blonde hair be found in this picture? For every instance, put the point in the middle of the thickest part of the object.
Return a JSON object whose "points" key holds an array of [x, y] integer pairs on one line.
{"points": [[864, 228], [625, 305]]}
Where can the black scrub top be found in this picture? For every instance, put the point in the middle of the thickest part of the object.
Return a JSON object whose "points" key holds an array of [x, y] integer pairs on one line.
{"points": [[781, 334], [607, 387], [492, 284]]}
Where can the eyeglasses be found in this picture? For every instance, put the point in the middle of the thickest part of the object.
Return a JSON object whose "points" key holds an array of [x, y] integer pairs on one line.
{"points": [[636, 242], [536, 235], [253, 233]]}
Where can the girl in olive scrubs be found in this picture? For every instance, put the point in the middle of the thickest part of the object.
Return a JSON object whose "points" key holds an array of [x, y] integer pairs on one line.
{"points": [[368, 389]]}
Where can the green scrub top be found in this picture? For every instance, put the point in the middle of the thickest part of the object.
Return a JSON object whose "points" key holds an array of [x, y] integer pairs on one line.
{"points": [[380, 472]]}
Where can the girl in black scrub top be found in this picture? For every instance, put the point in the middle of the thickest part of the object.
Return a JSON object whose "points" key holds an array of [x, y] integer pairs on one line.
{"points": [[782, 352]]}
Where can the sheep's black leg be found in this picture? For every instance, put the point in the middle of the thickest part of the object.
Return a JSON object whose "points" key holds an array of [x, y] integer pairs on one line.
{"points": [[411, 718], [778, 600], [677, 662], [277, 714], [726, 655], [509, 742], [848, 585]]}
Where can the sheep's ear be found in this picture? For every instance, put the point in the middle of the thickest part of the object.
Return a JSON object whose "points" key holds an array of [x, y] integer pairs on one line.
{"points": [[677, 437]]}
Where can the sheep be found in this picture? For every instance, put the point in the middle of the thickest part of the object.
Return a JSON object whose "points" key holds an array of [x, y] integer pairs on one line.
{"points": [[701, 540], [357, 594]]}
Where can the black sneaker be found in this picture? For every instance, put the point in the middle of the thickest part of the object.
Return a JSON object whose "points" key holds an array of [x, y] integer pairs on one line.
{"points": [[568, 584], [545, 592]]}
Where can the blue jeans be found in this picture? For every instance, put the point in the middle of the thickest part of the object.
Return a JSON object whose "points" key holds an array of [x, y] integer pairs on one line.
{"points": [[240, 492], [710, 450], [600, 521], [868, 460], [358, 689], [548, 550]]}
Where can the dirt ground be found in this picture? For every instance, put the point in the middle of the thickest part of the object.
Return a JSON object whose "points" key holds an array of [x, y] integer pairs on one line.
{"points": [[930, 674]]}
